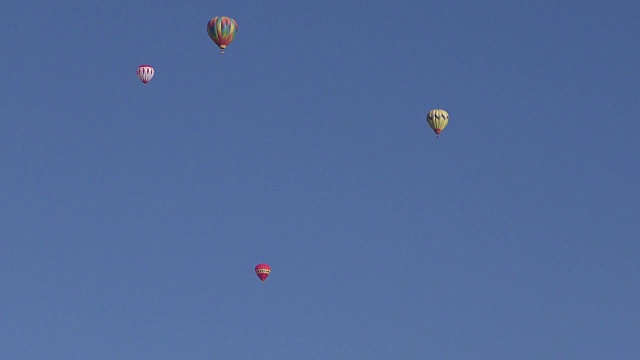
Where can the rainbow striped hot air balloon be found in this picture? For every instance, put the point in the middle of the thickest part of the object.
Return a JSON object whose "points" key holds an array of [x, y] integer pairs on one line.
{"points": [[222, 30]]}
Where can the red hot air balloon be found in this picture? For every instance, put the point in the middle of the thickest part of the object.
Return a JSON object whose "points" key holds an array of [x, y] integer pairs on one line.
{"points": [[145, 73], [263, 271]]}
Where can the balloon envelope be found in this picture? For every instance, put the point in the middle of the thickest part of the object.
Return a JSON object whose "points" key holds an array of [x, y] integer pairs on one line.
{"points": [[263, 271], [438, 120], [145, 73], [222, 30]]}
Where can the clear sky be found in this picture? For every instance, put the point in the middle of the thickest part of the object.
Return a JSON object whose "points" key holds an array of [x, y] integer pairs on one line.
{"points": [[132, 217]]}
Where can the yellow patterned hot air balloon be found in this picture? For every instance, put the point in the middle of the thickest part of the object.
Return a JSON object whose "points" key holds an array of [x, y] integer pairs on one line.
{"points": [[437, 120]]}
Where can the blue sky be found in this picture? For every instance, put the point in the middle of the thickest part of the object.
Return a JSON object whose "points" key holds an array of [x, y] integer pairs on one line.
{"points": [[132, 217]]}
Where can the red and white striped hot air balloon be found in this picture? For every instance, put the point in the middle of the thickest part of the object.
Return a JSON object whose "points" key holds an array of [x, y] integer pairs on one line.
{"points": [[145, 73], [263, 271]]}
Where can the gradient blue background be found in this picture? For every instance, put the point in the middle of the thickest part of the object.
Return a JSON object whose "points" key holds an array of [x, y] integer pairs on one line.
{"points": [[131, 218]]}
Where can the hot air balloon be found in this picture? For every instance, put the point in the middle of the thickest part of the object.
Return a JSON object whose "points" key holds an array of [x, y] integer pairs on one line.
{"points": [[222, 30], [437, 120], [263, 271], [145, 73]]}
